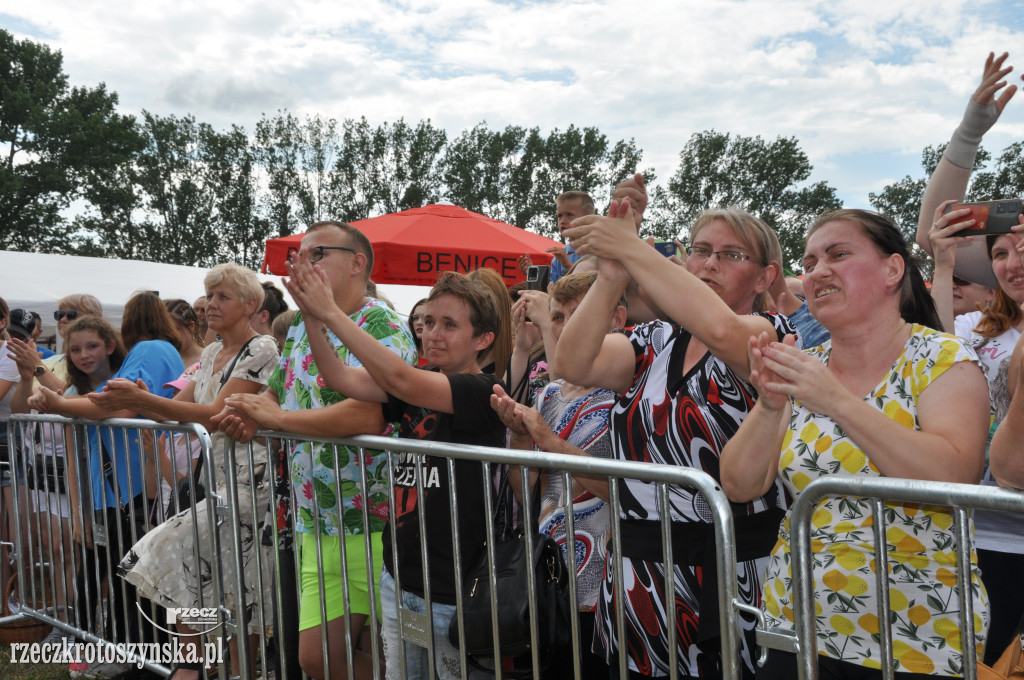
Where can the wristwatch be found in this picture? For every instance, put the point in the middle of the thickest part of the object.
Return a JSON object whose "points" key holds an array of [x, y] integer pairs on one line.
{"points": [[40, 370]]}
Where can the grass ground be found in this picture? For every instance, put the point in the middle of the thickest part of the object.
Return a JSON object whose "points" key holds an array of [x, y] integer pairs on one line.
{"points": [[19, 671]]}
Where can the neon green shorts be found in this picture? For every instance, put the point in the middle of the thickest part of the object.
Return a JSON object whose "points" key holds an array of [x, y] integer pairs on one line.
{"points": [[359, 589]]}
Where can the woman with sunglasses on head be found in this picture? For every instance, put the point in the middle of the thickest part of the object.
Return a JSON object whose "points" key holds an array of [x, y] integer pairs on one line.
{"points": [[115, 464], [993, 330], [684, 391]]}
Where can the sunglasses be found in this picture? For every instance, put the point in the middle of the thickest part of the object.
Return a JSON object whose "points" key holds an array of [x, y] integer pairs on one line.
{"points": [[957, 281], [71, 314]]}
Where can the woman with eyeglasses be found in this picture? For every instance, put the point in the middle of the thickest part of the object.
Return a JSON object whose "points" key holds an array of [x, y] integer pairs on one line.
{"points": [[684, 390]]}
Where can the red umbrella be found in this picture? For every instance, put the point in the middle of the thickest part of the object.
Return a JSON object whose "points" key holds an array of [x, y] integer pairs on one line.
{"points": [[413, 246]]}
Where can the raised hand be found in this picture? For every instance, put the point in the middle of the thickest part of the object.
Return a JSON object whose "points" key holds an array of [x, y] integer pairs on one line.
{"points": [[525, 263], [309, 287], [559, 253], [25, 355], [635, 190], [509, 411], [525, 332], [796, 374], [992, 82], [605, 237]]}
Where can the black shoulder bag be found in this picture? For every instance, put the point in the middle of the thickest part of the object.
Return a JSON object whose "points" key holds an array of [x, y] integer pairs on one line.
{"points": [[553, 606], [182, 498]]}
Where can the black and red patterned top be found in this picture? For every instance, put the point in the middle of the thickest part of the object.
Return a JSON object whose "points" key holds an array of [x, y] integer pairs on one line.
{"points": [[676, 418]]}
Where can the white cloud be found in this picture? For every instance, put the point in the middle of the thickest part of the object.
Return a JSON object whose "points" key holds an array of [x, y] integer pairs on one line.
{"points": [[847, 78]]}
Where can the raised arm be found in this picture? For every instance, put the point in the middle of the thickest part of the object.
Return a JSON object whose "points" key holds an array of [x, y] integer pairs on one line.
{"points": [[949, 181], [28, 360], [685, 298], [528, 428], [592, 356], [944, 238], [383, 372]]}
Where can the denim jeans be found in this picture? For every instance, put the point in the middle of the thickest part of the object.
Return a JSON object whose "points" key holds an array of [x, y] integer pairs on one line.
{"points": [[447, 658]]}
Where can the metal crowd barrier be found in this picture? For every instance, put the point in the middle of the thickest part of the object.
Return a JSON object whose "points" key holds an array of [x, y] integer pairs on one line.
{"points": [[961, 498], [63, 583], [48, 549]]}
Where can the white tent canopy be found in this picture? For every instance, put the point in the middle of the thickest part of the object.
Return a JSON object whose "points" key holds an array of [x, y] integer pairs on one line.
{"points": [[36, 281]]}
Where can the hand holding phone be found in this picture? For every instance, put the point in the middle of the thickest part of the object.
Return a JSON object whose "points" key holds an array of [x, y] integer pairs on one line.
{"points": [[537, 277], [990, 217]]}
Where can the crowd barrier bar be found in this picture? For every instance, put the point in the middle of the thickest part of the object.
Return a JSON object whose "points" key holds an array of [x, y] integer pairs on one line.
{"points": [[960, 497], [416, 631], [35, 434]]}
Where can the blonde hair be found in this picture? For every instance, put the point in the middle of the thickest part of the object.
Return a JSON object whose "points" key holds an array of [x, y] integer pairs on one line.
{"points": [[243, 280], [755, 235], [491, 281]]}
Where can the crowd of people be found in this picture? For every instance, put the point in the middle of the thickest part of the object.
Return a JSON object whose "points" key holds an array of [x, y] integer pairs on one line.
{"points": [[709, 358]]}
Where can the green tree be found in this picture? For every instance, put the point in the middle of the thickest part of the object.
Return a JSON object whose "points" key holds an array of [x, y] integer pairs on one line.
{"points": [[278, 152], [766, 178], [178, 193], [231, 169], [61, 144], [515, 174]]}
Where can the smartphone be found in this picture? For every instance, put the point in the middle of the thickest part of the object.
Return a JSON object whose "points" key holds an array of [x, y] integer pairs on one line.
{"points": [[537, 277], [666, 248], [991, 217]]}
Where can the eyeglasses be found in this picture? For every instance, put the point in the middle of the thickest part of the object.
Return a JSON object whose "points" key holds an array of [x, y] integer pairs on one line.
{"points": [[316, 253], [71, 314], [702, 253], [957, 281]]}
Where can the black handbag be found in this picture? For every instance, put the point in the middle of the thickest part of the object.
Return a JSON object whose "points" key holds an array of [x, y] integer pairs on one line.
{"points": [[553, 605], [47, 474], [182, 498]]}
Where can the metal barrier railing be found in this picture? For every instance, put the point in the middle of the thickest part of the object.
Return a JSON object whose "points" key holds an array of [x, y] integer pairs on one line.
{"points": [[250, 616], [71, 585], [961, 498]]}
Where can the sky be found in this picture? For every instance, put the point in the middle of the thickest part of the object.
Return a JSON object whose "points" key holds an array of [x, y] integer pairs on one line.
{"points": [[863, 85]]}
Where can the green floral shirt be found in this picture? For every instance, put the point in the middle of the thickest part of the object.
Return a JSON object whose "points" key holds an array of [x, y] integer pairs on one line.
{"points": [[299, 385], [920, 540]]}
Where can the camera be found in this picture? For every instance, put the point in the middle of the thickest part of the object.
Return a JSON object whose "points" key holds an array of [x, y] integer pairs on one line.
{"points": [[991, 217], [537, 277]]}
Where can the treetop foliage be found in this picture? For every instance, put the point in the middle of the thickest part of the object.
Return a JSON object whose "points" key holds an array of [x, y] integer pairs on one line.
{"points": [[79, 177]]}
